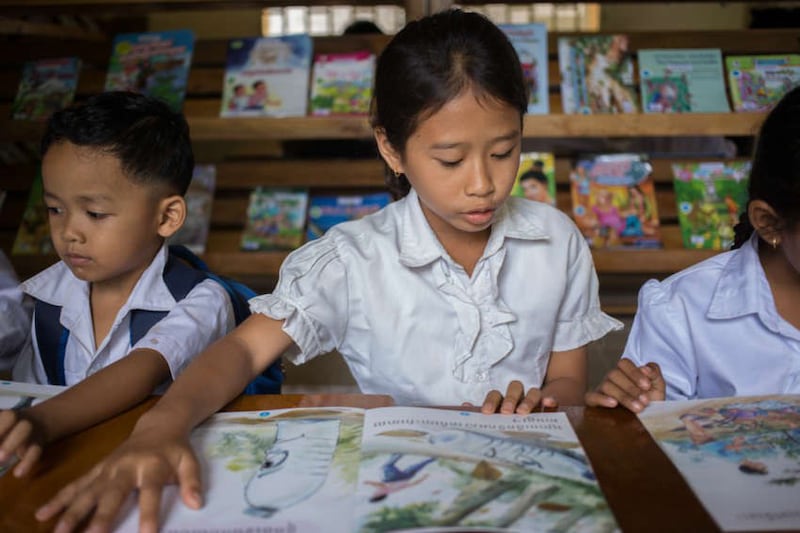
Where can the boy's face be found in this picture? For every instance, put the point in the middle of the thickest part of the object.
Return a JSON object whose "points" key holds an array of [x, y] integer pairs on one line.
{"points": [[104, 226]]}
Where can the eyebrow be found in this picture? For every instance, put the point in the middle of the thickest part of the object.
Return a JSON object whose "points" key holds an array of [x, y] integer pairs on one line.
{"points": [[84, 199], [507, 137]]}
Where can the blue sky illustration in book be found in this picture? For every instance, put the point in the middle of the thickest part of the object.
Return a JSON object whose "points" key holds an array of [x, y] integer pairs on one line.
{"points": [[741, 456], [596, 74], [530, 42], [154, 63], [683, 81], [267, 76], [46, 86], [759, 81]]}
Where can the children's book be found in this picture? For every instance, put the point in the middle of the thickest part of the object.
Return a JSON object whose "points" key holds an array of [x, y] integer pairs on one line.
{"points": [[267, 76], [275, 219], [530, 42], [536, 177], [389, 469], [710, 197], [33, 234], [757, 82], [342, 83], [682, 81], [327, 210], [46, 86], [153, 63], [740, 456], [199, 197], [596, 74], [614, 203]]}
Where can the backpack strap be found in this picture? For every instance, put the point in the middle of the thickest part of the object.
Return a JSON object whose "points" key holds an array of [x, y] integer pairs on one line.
{"points": [[51, 338]]}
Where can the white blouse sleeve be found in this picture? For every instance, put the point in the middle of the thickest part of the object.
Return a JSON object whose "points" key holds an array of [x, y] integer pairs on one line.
{"points": [[661, 334], [311, 297]]}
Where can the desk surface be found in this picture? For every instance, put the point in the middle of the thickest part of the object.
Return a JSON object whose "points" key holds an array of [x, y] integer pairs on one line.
{"points": [[643, 488]]}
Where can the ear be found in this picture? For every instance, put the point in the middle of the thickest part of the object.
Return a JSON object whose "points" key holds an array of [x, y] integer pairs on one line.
{"points": [[387, 151], [764, 220], [171, 215]]}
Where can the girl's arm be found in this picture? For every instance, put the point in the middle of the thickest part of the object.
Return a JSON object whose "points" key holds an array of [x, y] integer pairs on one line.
{"points": [[158, 451]]}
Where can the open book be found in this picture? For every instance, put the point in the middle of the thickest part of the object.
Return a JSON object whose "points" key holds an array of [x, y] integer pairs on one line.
{"points": [[393, 468]]}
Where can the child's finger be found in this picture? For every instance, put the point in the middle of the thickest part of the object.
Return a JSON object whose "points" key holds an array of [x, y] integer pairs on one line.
{"points": [[28, 459], [634, 373], [529, 403], [17, 438], [492, 402], [632, 402], [190, 482], [514, 395], [598, 399]]}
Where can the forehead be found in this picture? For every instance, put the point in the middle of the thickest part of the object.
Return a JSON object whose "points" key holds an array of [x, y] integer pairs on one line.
{"points": [[84, 170]]}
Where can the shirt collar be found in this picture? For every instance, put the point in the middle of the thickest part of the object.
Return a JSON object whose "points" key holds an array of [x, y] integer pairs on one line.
{"points": [[741, 286], [420, 246]]}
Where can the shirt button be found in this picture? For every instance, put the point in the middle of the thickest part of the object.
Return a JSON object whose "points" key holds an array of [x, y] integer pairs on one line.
{"points": [[482, 375]]}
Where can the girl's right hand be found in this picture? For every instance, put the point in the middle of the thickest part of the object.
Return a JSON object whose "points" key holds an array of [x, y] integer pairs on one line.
{"points": [[633, 387], [20, 438], [145, 462]]}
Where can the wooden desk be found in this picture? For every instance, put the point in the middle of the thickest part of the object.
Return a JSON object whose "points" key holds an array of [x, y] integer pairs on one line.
{"points": [[643, 488]]}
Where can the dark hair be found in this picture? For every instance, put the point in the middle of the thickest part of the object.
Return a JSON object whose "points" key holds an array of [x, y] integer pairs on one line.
{"points": [[775, 173], [150, 140], [430, 62], [534, 174], [362, 27]]}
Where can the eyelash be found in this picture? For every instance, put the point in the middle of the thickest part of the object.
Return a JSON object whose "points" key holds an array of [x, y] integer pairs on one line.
{"points": [[52, 211], [96, 216], [453, 164]]}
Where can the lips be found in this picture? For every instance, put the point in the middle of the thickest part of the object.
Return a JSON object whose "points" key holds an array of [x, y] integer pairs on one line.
{"points": [[76, 259], [480, 216]]}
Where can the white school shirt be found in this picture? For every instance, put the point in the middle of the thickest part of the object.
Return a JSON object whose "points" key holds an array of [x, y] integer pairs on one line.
{"points": [[714, 330], [203, 316], [410, 322], [15, 315]]}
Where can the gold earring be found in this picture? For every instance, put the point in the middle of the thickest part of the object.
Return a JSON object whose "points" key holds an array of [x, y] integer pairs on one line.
{"points": [[774, 243], [396, 173]]}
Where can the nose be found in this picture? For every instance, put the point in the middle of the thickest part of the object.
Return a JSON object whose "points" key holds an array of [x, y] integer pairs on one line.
{"points": [[480, 181], [70, 231]]}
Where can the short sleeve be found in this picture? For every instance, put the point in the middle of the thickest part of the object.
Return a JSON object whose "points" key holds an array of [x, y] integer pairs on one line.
{"points": [[580, 319], [311, 297], [661, 334]]}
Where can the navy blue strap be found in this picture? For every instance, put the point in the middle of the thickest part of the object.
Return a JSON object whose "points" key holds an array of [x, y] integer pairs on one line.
{"points": [[51, 338]]}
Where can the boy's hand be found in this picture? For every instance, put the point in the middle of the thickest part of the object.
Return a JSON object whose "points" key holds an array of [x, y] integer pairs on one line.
{"points": [[20, 438], [145, 463], [629, 385], [516, 401]]}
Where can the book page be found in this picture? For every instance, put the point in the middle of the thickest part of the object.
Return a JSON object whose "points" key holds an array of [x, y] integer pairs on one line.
{"points": [[741, 456], [458, 470]]}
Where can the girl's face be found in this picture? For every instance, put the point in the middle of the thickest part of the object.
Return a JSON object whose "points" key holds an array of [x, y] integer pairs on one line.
{"points": [[462, 162]]}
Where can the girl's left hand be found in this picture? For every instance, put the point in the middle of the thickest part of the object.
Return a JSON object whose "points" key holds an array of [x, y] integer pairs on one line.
{"points": [[516, 401]]}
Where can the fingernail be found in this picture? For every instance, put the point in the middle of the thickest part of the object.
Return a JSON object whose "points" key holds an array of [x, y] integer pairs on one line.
{"points": [[644, 399], [636, 406]]}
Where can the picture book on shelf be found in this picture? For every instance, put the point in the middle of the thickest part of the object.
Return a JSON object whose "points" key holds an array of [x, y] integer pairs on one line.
{"points": [[596, 74], [710, 196], [327, 210], [275, 219], [740, 456], [267, 76], [530, 42], [682, 81], [152, 63], [536, 177], [339, 469], [33, 234], [199, 197], [614, 202], [342, 83], [46, 86], [757, 82]]}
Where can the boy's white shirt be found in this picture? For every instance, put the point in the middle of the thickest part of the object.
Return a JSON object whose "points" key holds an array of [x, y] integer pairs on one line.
{"points": [[203, 316], [715, 331], [15, 315], [412, 324]]}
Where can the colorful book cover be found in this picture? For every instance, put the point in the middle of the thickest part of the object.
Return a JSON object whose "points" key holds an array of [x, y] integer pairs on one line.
{"points": [[154, 63], [33, 234], [536, 177], [333, 470], [46, 86], [682, 81], [267, 76], [275, 219], [342, 83], [740, 456], [325, 211], [614, 202], [199, 198], [530, 42], [710, 198], [596, 75], [757, 82]]}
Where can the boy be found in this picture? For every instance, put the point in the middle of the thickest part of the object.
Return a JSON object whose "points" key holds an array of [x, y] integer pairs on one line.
{"points": [[114, 174]]}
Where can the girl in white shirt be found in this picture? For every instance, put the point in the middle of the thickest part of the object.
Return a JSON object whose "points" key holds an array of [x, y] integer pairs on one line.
{"points": [[730, 325], [453, 294]]}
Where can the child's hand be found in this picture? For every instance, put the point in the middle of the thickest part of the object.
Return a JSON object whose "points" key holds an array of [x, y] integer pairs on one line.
{"points": [[516, 401], [629, 385], [19, 439], [144, 462]]}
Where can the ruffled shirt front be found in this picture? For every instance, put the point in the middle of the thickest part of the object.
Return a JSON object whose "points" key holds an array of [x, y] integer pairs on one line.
{"points": [[411, 323]]}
